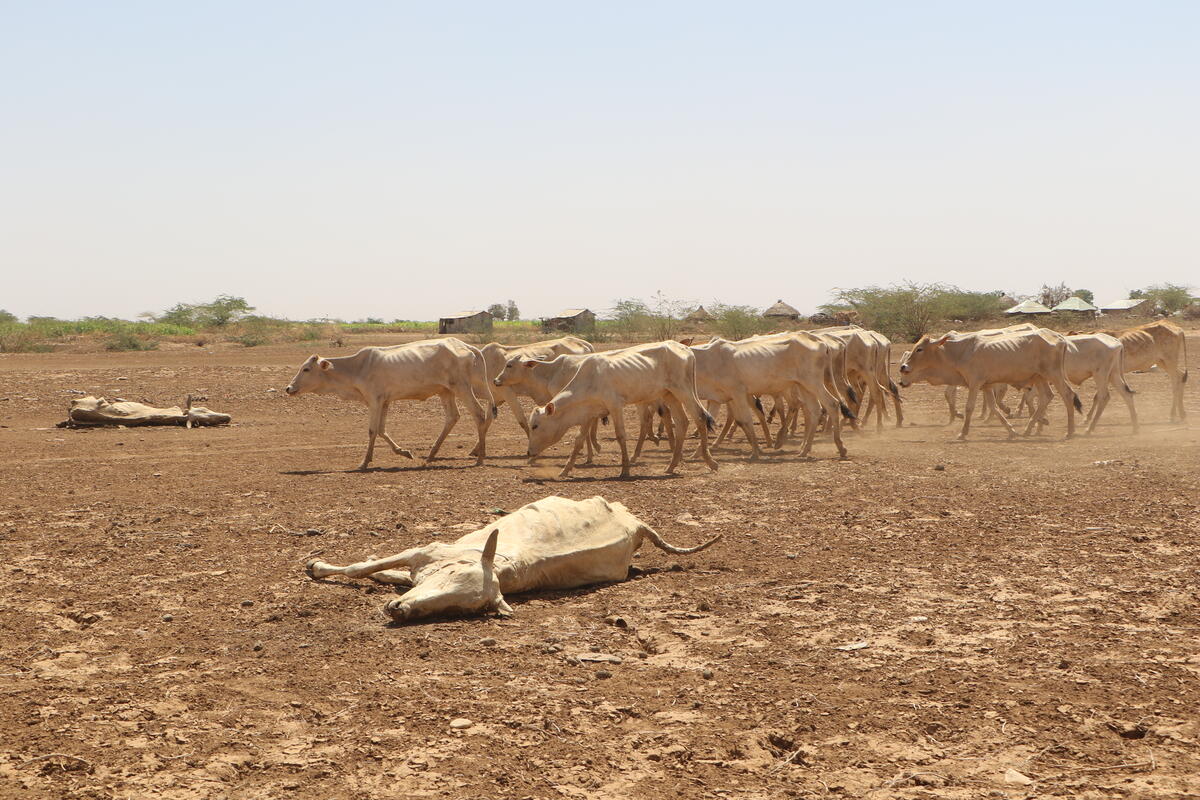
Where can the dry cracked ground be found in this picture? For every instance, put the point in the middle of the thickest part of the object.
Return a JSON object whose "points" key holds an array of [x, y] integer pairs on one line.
{"points": [[925, 619]]}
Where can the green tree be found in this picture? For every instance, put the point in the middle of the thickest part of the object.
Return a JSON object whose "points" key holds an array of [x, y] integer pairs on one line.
{"points": [[511, 312], [738, 322], [496, 310], [7, 316], [1086, 294], [1168, 297], [218, 313]]}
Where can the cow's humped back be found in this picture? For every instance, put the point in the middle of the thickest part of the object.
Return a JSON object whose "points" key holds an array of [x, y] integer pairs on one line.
{"points": [[561, 543]]}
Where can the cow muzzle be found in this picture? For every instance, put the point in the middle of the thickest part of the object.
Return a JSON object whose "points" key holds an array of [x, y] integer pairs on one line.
{"points": [[289, 389], [496, 381]]}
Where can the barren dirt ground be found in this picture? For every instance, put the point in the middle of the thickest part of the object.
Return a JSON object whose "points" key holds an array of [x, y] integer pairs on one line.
{"points": [[1027, 606]]}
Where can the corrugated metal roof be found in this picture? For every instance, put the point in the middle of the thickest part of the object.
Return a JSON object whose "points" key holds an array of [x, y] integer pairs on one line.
{"points": [[1028, 307], [569, 312], [1074, 304], [461, 314], [1124, 305]]}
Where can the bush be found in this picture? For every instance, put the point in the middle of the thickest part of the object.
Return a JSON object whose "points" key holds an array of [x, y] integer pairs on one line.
{"points": [[738, 322], [127, 340], [908, 311]]}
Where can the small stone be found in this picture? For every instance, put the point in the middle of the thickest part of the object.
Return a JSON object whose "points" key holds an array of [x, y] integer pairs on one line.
{"points": [[272, 389], [158, 475], [603, 674], [793, 556], [704, 606], [616, 621], [939, 467], [313, 532], [487, 642], [247, 603], [1012, 776], [918, 619], [460, 724], [707, 674], [258, 646], [167, 618]]}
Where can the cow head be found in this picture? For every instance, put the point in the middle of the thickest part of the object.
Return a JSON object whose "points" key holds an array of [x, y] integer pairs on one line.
{"points": [[924, 362], [457, 584], [547, 425], [312, 377], [514, 370]]}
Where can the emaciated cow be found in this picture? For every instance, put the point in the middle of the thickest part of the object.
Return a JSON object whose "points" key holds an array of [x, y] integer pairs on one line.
{"points": [[448, 368], [554, 543]]}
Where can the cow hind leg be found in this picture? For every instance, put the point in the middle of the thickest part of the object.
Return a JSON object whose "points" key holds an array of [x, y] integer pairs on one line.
{"points": [[450, 409], [618, 420], [397, 449]]}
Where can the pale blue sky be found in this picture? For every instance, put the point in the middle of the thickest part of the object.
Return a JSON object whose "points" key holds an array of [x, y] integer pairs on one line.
{"points": [[398, 160]]}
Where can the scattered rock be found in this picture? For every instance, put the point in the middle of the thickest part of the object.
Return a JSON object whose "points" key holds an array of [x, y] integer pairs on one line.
{"points": [[854, 646], [258, 646], [704, 606], [487, 642], [272, 389], [1012, 776], [602, 674], [616, 621], [939, 467], [601, 658], [707, 674], [247, 603], [918, 619], [460, 724], [167, 617]]}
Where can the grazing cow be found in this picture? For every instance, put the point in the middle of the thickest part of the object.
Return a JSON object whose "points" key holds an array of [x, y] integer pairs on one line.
{"points": [[607, 382], [496, 356], [1163, 344], [554, 543], [448, 368], [1031, 358]]}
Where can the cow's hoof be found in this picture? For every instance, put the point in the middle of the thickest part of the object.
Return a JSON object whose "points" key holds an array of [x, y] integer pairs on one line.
{"points": [[400, 451], [312, 567]]}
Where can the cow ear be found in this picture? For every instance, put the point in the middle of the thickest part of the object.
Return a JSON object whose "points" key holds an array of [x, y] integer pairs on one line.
{"points": [[530, 362], [489, 552], [549, 408], [324, 363], [941, 340]]}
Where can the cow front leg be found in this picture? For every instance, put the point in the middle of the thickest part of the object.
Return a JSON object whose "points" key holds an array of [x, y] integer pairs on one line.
{"points": [[361, 569], [618, 421], [678, 423], [451, 411], [375, 411], [580, 440], [482, 412], [969, 412], [397, 449]]}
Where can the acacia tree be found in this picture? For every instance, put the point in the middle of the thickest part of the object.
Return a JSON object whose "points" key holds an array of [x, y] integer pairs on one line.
{"points": [[1050, 296]]}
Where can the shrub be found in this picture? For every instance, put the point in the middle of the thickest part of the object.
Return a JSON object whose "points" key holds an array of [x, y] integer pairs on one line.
{"points": [[127, 340], [738, 322]]}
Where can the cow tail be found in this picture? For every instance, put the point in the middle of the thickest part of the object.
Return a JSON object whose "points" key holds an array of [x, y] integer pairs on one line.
{"points": [[1185, 369], [846, 412], [1076, 402], [1124, 384], [709, 422], [758, 403], [662, 544]]}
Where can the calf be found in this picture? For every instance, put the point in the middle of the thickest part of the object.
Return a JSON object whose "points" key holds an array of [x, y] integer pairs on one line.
{"points": [[554, 543], [448, 368], [496, 357]]}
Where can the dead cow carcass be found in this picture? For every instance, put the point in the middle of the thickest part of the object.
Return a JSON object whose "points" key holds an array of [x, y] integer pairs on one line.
{"points": [[89, 412], [554, 543]]}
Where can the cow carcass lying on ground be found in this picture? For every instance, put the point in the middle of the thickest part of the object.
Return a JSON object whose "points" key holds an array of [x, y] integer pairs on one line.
{"points": [[89, 412], [554, 543]]}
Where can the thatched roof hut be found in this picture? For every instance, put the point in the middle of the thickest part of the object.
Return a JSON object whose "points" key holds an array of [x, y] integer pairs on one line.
{"points": [[701, 314], [782, 310]]}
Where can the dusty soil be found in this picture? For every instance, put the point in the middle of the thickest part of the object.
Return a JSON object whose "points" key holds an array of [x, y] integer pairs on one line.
{"points": [[1024, 613]]}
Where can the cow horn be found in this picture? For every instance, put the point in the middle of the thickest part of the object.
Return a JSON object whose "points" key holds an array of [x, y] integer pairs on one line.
{"points": [[489, 553]]}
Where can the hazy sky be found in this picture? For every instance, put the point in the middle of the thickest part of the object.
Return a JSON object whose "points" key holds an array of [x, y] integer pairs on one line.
{"points": [[399, 160]]}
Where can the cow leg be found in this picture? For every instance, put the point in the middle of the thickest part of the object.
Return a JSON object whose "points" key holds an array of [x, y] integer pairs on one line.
{"points": [[593, 445], [1177, 380], [362, 569], [725, 429], [969, 412], [579, 442], [1099, 401], [1118, 385], [505, 394], [482, 412], [397, 449], [645, 429], [832, 407], [951, 395], [1069, 399], [678, 426], [451, 411], [809, 406], [375, 411], [618, 420]]}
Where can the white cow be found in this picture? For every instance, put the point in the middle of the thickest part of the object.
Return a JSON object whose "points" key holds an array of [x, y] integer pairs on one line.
{"points": [[1101, 357], [376, 376], [1032, 358], [554, 543], [607, 382], [496, 356]]}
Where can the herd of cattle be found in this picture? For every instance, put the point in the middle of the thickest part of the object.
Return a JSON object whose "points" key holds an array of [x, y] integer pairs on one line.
{"points": [[827, 375]]}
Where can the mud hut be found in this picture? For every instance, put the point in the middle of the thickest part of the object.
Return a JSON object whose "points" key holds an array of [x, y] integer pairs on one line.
{"points": [[466, 322], [570, 320], [781, 311], [701, 314]]}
